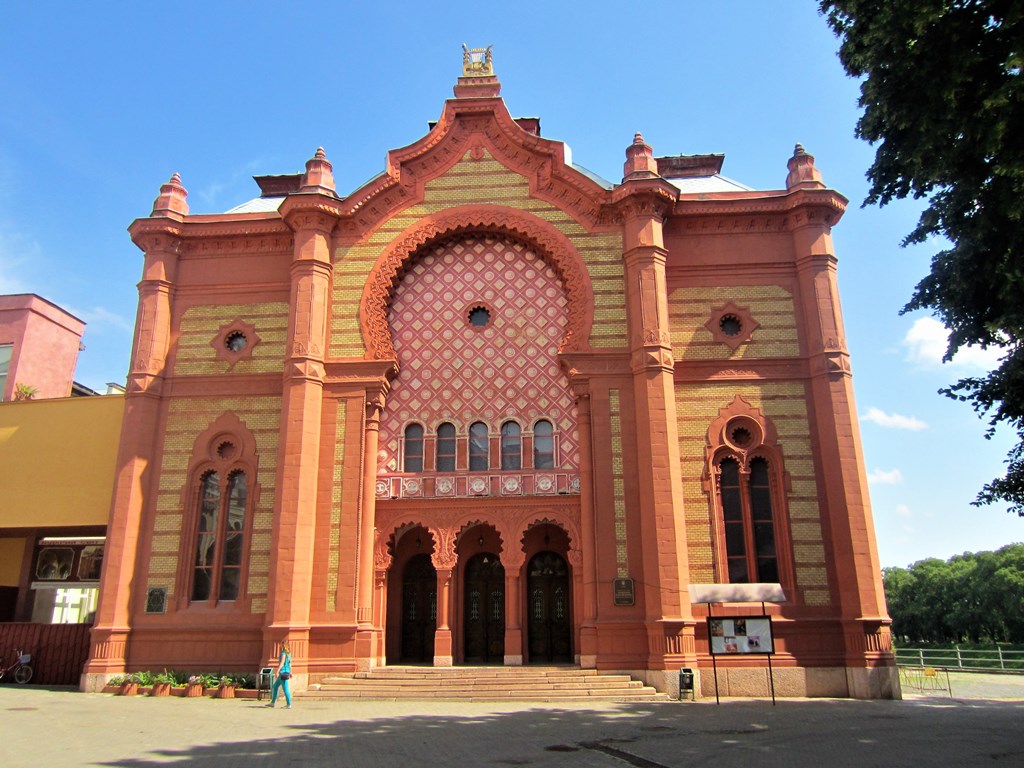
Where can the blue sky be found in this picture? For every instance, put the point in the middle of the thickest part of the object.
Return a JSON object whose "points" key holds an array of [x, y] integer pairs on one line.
{"points": [[102, 102]]}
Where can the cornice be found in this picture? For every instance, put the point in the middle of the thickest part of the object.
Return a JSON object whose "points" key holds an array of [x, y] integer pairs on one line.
{"points": [[778, 210]]}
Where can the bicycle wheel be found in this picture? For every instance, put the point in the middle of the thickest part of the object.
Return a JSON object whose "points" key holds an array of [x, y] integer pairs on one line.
{"points": [[22, 674]]}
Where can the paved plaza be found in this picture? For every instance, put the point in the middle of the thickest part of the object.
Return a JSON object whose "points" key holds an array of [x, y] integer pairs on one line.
{"points": [[49, 728]]}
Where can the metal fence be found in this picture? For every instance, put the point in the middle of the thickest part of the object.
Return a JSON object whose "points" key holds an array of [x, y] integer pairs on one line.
{"points": [[991, 660]]}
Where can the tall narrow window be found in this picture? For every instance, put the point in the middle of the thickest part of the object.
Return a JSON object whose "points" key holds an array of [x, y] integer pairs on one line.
{"points": [[445, 458], [543, 445], [413, 453], [221, 537], [748, 522], [735, 530], [206, 541], [511, 446], [478, 447], [763, 522], [234, 532]]}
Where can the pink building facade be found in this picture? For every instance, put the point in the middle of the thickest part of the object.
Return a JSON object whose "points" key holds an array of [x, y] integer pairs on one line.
{"points": [[39, 344], [491, 409]]}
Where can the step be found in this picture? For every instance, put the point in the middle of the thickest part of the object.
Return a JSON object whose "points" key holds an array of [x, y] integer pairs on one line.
{"points": [[557, 683]]}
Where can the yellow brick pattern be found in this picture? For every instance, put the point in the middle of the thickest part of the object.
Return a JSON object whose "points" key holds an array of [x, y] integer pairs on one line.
{"points": [[485, 181], [770, 305], [200, 325], [784, 403], [187, 418], [618, 485], [335, 530]]}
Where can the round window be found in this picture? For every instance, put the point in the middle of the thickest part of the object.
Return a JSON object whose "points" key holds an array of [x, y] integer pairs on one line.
{"points": [[730, 325], [479, 317], [236, 341]]}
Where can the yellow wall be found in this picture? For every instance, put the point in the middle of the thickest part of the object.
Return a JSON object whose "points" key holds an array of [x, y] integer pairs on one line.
{"points": [[11, 553], [58, 459]]}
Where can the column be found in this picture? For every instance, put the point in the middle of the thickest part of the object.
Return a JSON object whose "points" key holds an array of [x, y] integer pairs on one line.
{"points": [[513, 563]]}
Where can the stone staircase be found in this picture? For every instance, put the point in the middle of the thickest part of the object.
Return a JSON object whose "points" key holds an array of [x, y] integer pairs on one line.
{"points": [[542, 684]]}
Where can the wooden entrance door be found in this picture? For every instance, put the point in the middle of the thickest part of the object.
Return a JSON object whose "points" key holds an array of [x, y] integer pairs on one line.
{"points": [[483, 618], [419, 610], [550, 626]]}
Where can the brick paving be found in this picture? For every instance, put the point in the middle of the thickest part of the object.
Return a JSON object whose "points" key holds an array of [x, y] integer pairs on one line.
{"points": [[48, 728]]}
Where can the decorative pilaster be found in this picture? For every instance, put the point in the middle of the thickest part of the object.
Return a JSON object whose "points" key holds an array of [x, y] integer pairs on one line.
{"points": [[312, 217], [846, 509], [588, 562], [643, 200], [159, 237]]}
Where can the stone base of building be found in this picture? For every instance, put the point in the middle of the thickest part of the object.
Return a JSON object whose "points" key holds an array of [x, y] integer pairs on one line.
{"points": [[94, 682], [791, 682]]}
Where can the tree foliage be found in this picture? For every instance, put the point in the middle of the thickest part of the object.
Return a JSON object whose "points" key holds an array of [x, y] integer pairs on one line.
{"points": [[973, 597], [943, 100]]}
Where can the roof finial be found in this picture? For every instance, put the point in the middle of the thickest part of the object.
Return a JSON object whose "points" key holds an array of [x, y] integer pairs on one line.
{"points": [[172, 200], [477, 80], [319, 176], [640, 162], [802, 173]]}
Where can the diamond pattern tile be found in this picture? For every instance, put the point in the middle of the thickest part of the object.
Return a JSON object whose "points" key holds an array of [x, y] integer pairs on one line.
{"points": [[507, 369]]}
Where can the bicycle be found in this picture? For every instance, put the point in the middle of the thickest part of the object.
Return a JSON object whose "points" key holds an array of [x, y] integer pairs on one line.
{"points": [[20, 667]]}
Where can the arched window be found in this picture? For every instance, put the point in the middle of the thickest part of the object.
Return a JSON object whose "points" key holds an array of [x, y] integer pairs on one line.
{"points": [[413, 453], [511, 446], [445, 458], [543, 445], [478, 447], [748, 522], [220, 538]]}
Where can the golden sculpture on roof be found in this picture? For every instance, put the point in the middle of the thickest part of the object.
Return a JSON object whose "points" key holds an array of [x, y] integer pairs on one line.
{"points": [[476, 62]]}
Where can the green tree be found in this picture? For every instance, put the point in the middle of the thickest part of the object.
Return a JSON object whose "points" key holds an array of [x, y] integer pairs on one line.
{"points": [[943, 100], [974, 596]]}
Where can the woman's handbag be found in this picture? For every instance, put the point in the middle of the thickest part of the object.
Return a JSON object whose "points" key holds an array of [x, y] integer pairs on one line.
{"points": [[285, 675]]}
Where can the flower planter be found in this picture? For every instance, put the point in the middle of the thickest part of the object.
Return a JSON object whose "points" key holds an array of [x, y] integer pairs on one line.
{"points": [[194, 690], [128, 689], [225, 692], [161, 689]]}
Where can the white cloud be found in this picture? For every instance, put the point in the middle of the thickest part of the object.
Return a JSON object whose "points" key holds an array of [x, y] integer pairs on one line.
{"points": [[893, 420], [902, 510], [99, 316], [926, 343], [885, 477]]}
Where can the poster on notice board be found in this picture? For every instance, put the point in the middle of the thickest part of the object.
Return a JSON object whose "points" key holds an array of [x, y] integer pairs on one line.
{"points": [[738, 635]]}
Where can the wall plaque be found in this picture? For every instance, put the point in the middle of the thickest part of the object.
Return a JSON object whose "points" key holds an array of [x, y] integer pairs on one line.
{"points": [[623, 592]]}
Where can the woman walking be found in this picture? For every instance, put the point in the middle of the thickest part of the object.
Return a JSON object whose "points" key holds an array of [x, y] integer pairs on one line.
{"points": [[284, 674]]}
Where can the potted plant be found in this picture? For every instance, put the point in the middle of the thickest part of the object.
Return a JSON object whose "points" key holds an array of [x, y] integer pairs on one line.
{"points": [[128, 684], [162, 682], [195, 686], [226, 687]]}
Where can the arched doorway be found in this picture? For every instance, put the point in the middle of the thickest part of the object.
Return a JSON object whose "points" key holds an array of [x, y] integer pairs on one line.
{"points": [[550, 625], [419, 610], [483, 616]]}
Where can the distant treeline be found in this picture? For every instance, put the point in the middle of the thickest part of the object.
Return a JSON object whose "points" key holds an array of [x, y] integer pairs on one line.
{"points": [[973, 597]]}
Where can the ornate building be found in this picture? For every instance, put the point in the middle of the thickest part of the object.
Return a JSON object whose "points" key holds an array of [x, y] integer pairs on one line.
{"points": [[492, 409]]}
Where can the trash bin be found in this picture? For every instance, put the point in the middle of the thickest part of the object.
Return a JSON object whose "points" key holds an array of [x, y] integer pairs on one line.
{"points": [[263, 682], [686, 683]]}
